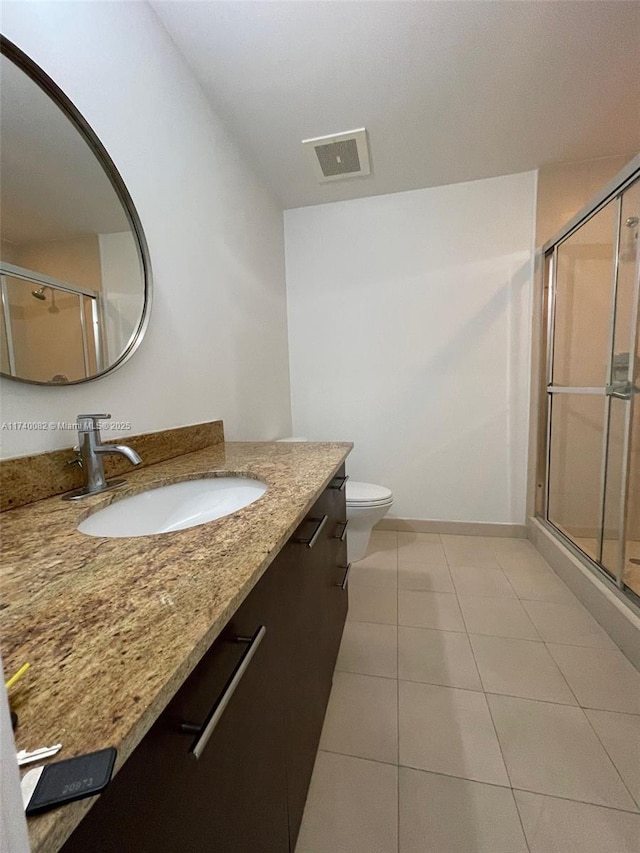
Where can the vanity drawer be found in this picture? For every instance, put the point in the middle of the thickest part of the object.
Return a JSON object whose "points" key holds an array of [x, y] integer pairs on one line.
{"points": [[231, 798]]}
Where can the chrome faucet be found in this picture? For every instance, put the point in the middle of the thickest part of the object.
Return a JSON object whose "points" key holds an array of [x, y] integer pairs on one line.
{"points": [[89, 455]]}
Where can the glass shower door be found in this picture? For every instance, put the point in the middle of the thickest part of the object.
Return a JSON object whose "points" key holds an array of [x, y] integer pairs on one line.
{"points": [[593, 477], [584, 272], [621, 510]]}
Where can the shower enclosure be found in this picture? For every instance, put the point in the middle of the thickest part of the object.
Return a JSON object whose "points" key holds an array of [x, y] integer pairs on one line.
{"points": [[50, 330], [589, 460]]}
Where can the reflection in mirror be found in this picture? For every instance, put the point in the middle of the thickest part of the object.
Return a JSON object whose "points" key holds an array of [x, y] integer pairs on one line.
{"points": [[74, 275], [48, 327]]}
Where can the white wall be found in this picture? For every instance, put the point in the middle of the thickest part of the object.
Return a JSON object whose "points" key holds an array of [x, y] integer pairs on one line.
{"points": [[217, 342], [409, 334]]}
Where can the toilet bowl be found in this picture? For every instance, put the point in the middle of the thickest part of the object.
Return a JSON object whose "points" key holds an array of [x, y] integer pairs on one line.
{"points": [[366, 505]]}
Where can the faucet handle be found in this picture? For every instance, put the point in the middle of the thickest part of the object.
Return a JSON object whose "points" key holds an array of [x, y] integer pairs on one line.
{"points": [[91, 421], [77, 458]]}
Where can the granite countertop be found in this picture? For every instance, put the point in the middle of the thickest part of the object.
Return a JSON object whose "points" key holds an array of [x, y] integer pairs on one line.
{"points": [[112, 627]]}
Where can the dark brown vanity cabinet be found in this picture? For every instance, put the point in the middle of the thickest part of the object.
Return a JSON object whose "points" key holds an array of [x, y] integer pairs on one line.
{"points": [[315, 600], [275, 659]]}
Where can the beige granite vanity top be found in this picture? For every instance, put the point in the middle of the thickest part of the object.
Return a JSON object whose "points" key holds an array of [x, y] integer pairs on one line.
{"points": [[112, 627]]}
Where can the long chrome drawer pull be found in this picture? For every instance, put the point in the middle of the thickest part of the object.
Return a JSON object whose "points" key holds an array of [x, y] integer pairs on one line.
{"points": [[205, 731], [343, 533], [314, 537], [338, 483], [343, 585]]}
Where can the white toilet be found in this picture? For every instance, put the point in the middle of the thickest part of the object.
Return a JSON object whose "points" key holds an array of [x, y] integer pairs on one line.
{"points": [[366, 505]]}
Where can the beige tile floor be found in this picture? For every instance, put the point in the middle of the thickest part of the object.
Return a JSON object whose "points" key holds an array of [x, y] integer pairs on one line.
{"points": [[476, 707]]}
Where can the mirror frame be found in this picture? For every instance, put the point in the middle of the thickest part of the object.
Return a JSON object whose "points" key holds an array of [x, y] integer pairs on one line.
{"points": [[50, 88]]}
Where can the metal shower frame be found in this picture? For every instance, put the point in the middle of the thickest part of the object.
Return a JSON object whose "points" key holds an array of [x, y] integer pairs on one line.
{"points": [[547, 265]]}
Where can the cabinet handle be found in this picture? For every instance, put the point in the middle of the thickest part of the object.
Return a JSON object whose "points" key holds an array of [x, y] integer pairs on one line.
{"points": [[343, 585], [314, 536], [338, 483], [343, 533], [205, 731]]}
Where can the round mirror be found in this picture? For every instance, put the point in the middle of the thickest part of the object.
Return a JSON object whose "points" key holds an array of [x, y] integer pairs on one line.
{"points": [[75, 277]]}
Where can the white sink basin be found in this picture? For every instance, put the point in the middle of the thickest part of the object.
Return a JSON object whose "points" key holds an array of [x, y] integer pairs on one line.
{"points": [[174, 507]]}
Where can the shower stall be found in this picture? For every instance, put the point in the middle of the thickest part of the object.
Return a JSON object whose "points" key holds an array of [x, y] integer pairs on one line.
{"points": [[588, 476], [50, 330]]}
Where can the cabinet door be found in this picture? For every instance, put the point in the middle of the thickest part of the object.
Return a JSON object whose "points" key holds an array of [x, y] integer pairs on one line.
{"points": [[315, 605], [233, 798], [305, 690]]}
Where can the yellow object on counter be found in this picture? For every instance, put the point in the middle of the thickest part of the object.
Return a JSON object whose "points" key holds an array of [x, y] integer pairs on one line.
{"points": [[16, 676]]}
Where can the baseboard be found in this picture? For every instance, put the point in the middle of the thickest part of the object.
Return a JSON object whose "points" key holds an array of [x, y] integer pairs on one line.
{"points": [[460, 528], [619, 616]]}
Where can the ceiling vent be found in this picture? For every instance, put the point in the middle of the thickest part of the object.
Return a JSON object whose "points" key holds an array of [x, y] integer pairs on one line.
{"points": [[339, 156]]}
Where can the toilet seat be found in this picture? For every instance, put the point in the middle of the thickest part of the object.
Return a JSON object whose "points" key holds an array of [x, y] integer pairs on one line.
{"points": [[367, 495]]}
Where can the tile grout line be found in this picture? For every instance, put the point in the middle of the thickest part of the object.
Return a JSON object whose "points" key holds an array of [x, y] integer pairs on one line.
{"points": [[511, 587], [608, 711], [475, 633], [519, 813], [506, 768], [564, 677], [495, 731], [362, 758], [582, 802], [634, 812], [478, 634], [483, 689], [601, 742], [595, 649]]}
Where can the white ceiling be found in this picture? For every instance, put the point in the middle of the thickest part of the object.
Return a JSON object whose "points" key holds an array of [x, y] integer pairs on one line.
{"points": [[449, 91], [53, 187]]}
